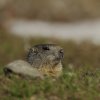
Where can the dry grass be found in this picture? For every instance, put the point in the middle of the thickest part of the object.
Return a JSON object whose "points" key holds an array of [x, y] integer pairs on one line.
{"points": [[52, 10]]}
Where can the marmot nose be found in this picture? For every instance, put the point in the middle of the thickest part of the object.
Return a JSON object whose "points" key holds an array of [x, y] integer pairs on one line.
{"points": [[61, 54]]}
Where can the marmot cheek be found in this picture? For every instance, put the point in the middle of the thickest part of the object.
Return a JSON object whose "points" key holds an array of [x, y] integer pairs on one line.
{"points": [[51, 57]]}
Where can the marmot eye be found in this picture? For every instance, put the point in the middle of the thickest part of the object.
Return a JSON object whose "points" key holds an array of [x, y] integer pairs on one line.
{"points": [[45, 48], [61, 51]]}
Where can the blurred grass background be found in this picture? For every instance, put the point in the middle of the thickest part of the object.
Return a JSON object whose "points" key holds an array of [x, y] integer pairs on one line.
{"points": [[50, 10], [81, 74]]}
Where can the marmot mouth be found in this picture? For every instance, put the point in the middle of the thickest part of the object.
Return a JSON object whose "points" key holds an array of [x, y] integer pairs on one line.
{"points": [[57, 61], [61, 54]]}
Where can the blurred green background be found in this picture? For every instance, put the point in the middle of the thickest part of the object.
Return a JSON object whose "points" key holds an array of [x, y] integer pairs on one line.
{"points": [[81, 64]]}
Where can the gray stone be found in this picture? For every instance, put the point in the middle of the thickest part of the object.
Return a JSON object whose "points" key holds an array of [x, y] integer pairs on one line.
{"points": [[21, 67]]}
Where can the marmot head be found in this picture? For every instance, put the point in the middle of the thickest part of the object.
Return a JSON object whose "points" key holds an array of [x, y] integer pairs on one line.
{"points": [[51, 54]]}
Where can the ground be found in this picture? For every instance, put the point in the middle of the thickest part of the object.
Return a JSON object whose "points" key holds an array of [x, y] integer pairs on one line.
{"points": [[80, 79]]}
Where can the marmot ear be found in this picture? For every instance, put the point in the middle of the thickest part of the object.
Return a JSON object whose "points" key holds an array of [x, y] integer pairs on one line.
{"points": [[33, 50]]}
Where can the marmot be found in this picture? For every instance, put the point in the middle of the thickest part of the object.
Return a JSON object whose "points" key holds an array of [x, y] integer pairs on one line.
{"points": [[42, 59], [46, 58]]}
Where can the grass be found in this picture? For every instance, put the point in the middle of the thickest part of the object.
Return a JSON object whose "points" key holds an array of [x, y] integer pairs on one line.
{"points": [[80, 79]]}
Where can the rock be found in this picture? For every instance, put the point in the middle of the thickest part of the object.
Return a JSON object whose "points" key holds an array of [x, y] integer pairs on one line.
{"points": [[21, 67]]}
